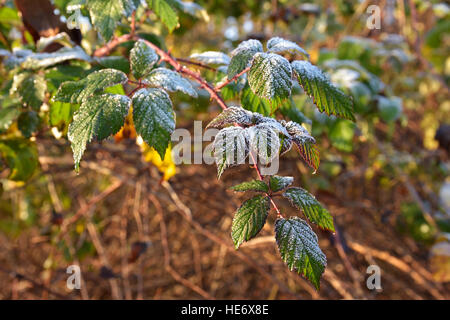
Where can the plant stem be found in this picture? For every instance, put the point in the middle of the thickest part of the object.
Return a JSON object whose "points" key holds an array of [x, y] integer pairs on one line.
{"points": [[214, 92], [225, 83]]}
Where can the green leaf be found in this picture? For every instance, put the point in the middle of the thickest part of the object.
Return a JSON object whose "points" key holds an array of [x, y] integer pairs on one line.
{"points": [[30, 89], [310, 154], [327, 97], [291, 111], [249, 219], [252, 102], [21, 157], [98, 117], [312, 208], [106, 14], [341, 134], [280, 45], [170, 81], [153, 118], [390, 108], [7, 116], [79, 91], [60, 113], [242, 55], [165, 12], [28, 123], [300, 249], [142, 59], [278, 183], [230, 148], [270, 76], [254, 185], [115, 62]]}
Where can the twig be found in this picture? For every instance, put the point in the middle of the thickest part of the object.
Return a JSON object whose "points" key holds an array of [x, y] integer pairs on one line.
{"points": [[397, 263], [165, 246], [17, 275], [195, 63], [226, 82]]}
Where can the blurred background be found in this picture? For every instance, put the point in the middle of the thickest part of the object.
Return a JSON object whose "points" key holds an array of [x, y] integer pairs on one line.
{"points": [[140, 228]]}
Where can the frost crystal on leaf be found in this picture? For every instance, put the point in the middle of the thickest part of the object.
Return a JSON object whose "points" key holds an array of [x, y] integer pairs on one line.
{"points": [[270, 76], [249, 219], [254, 185], [279, 45], [153, 118], [230, 148], [264, 142], [230, 116], [312, 208], [142, 59], [327, 97], [278, 183], [211, 57], [44, 60], [105, 15], [98, 117], [300, 249], [242, 55], [30, 88], [170, 81], [299, 134], [78, 91]]}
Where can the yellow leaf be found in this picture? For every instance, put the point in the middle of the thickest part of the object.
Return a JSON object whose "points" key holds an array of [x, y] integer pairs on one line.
{"points": [[166, 166]]}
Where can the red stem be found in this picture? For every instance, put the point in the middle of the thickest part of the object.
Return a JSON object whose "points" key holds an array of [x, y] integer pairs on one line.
{"points": [[223, 84]]}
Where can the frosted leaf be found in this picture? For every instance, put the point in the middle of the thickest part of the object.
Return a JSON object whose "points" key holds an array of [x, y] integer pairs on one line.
{"points": [[98, 117], [390, 108], [142, 59], [327, 97], [61, 38], [193, 9], [230, 148], [299, 134], [312, 208], [304, 141], [211, 57], [170, 81], [4, 53], [278, 183], [286, 145], [300, 249], [270, 76], [44, 60], [273, 124], [249, 219], [78, 91], [30, 88], [230, 116], [153, 118], [348, 64], [242, 55], [280, 45], [254, 185], [264, 142]]}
